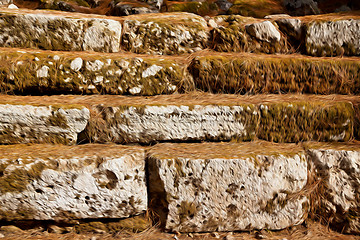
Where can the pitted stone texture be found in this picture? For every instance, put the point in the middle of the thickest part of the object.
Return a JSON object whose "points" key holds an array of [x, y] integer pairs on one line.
{"points": [[95, 184], [173, 33], [41, 124], [340, 173], [264, 31], [146, 124], [46, 73], [56, 32], [203, 193], [333, 38]]}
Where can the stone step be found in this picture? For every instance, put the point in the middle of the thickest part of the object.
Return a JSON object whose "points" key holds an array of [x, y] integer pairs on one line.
{"points": [[336, 169], [253, 74], [55, 182], [177, 33], [246, 186], [178, 118], [38, 72], [169, 33], [192, 187], [322, 35], [47, 72], [58, 31]]}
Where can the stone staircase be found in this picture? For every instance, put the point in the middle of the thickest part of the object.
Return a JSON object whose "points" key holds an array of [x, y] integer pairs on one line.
{"points": [[229, 124]]}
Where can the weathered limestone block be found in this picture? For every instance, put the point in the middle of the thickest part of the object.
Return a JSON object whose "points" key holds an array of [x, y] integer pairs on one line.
{"points": [[52, 182], [146, 124], [333, 38], [171, 33], [57, 32], [41, 124], [227, 186], [339, 171], [264, 31], [49, 73], [245, 34], [310, 121]]}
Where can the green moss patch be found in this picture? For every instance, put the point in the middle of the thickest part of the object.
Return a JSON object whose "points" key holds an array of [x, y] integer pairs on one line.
{"points": [[256, 8], [200, 8], [18, 179], [133, 224], [296, 122], [261, 74], [223, 150]]}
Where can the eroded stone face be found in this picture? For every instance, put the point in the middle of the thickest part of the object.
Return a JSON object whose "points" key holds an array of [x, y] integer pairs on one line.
{"points": [[64, 188], [55, 32], [41, 124], [215, 194], [340, 174], [38, 73], [264, 31], [333, 38], [146, 124], [165, 34]]}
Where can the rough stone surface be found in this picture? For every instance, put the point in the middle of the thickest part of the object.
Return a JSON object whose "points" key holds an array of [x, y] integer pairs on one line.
{"points": [[122, 9], [292, 27], [245, 34], [41, 124], [155, 3], [46, 73], [55, 32], [302, 7], [84, 182], [224, 4], [146, 124], [173, 33], [214, 193], [333, 38], [264, 31], [340, 174]]}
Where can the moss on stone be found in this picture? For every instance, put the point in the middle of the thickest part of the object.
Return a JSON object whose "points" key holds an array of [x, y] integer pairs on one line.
{"points": [[186, 210], [20, 214], [200, 8], [18, 179], [57, 119], [256, 8], [254, 75], [133, 224], [298, 122], [175, 35], [18, 75], [233, 37]]}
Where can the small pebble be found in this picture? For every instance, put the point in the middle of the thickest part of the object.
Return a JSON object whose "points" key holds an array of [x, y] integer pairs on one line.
{"points": [[12, 6], [10, 229]]}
